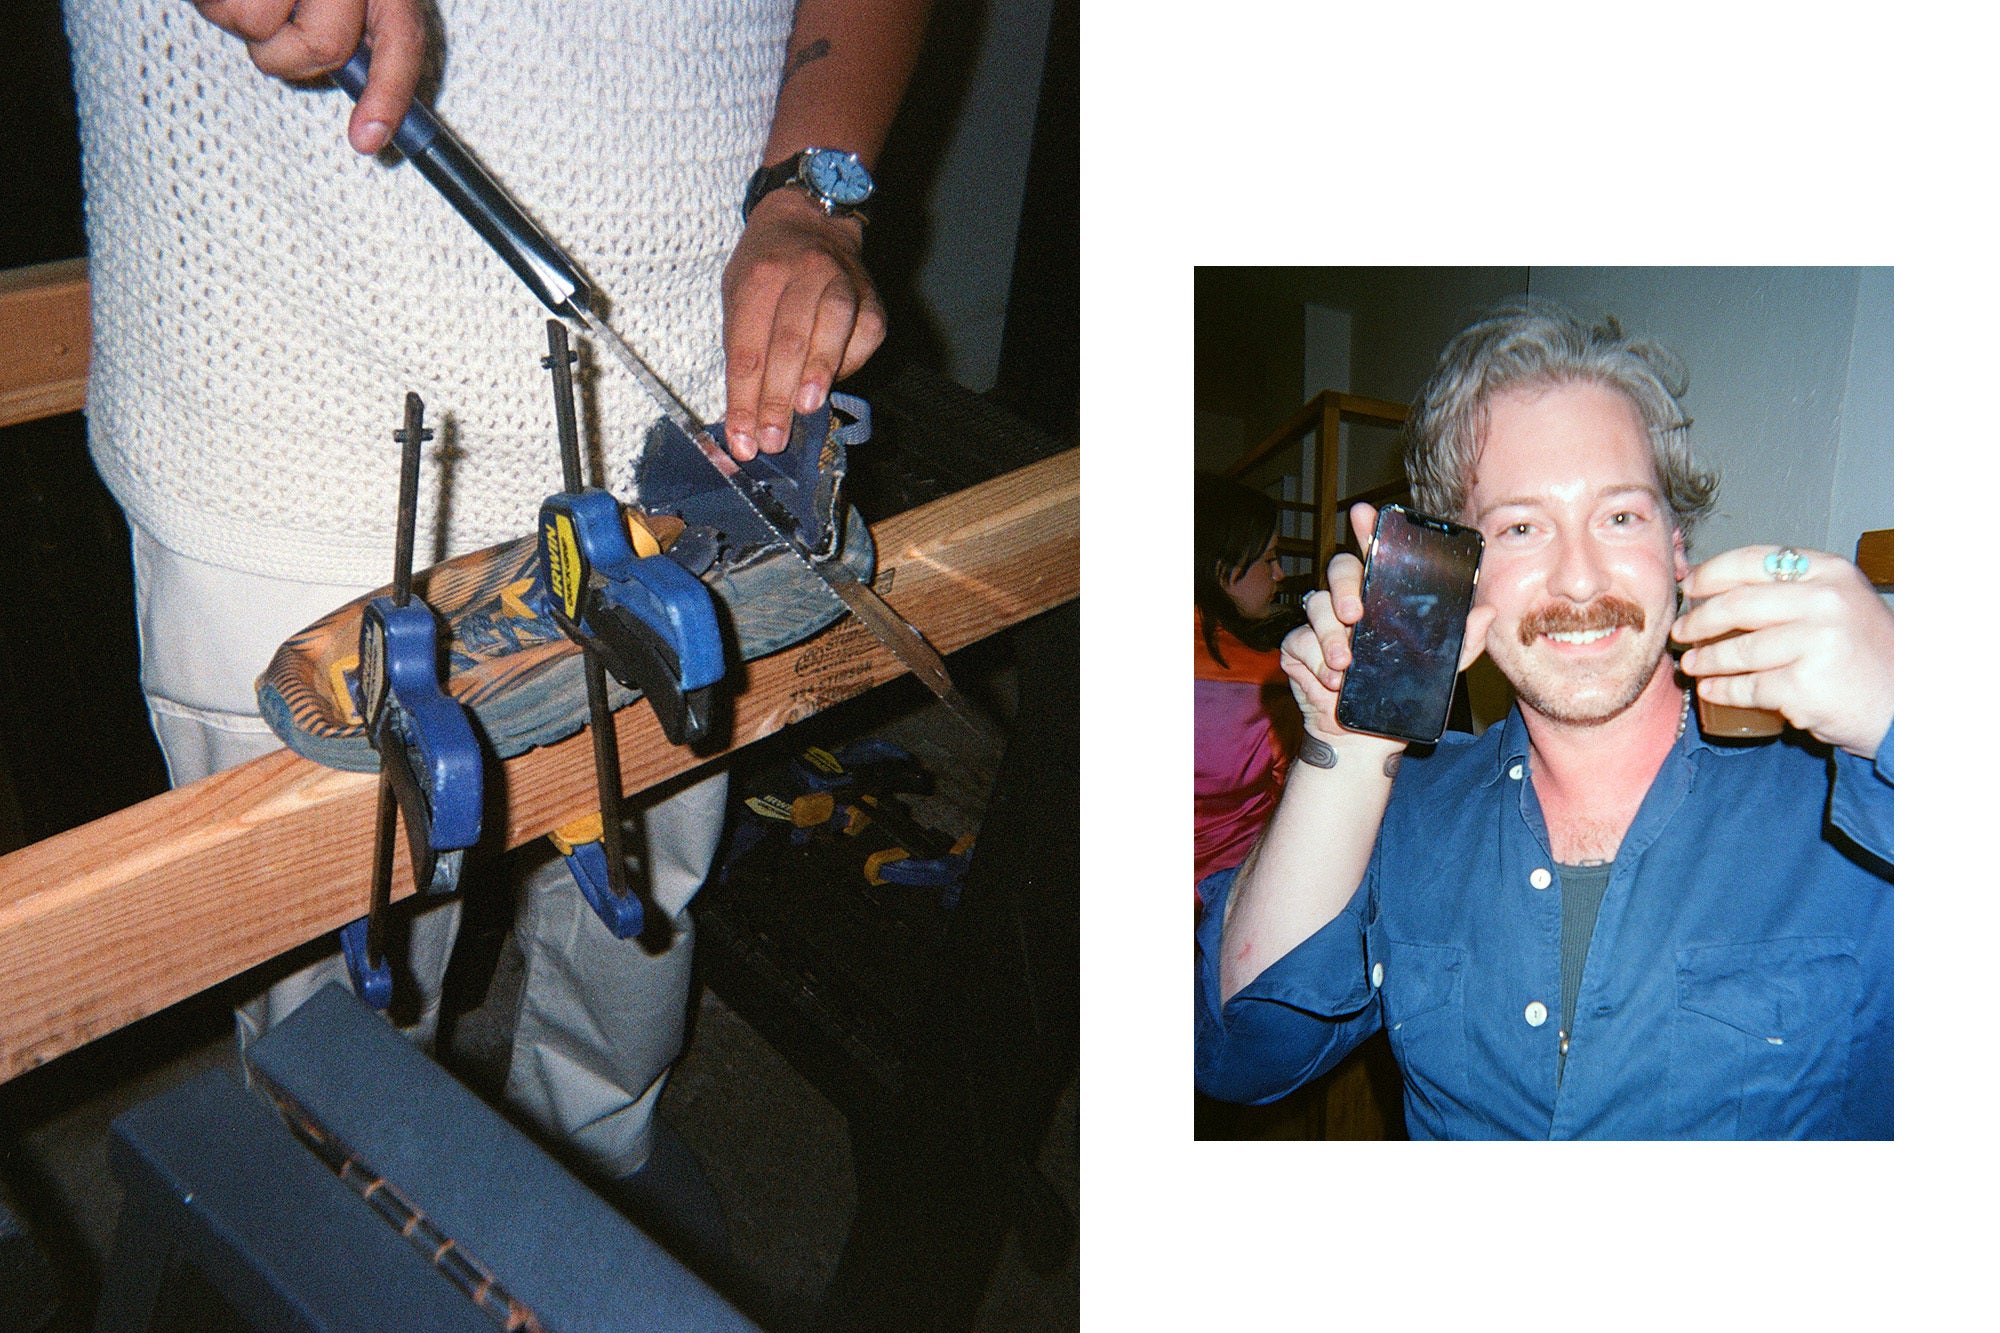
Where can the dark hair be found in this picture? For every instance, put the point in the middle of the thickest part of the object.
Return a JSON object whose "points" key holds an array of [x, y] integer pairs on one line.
{"points": [[1531, 341], [1232, 526]]}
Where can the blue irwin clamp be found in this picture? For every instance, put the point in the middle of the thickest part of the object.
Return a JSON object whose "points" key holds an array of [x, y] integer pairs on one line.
{"points": [[424, 737], [431, 767], [582, 846], [651, 622], [371, 979], [643, 619]]}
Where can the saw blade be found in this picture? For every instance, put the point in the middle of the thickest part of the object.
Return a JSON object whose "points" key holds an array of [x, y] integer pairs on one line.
{"points": [[897, 634]]}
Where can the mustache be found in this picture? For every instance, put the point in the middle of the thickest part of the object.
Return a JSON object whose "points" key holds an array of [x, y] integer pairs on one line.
{"points": [[1607, 612]]}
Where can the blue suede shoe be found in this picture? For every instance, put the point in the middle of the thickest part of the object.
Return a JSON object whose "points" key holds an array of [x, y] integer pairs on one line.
{"points": [[765, 599]]}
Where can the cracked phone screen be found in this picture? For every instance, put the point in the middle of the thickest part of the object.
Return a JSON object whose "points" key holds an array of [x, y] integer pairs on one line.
{"points": [[1414, 598]]}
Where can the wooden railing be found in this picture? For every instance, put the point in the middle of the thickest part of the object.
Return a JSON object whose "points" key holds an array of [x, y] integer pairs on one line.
{"points": [[1321, 418]]}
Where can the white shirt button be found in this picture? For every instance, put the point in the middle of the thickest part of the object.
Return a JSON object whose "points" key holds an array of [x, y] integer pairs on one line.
{"points": [[1536, 1013], [1539, 877], [1375, 977], [1515, 772]]}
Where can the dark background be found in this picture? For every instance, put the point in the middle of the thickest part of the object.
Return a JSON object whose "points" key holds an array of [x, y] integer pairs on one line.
{"points": [[75, 742]]}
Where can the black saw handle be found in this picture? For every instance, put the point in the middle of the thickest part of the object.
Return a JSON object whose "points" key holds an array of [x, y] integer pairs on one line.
{"points": [[442, 160]]}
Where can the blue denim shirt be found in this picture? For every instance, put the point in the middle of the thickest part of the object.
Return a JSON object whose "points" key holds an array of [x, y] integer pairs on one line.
{"points": [[1738, 985]]}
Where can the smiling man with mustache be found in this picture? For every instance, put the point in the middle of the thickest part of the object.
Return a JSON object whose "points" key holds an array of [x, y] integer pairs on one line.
{"points": [[1591, 921]]}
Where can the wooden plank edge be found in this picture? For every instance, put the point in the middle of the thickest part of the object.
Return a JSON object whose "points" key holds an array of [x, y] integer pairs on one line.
{"points": [[25, 281], [47, 400], [116, 920], [44, 340]]}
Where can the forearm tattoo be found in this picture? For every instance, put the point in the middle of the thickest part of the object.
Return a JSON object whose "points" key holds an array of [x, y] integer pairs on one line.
{"points": [[805, 55]]}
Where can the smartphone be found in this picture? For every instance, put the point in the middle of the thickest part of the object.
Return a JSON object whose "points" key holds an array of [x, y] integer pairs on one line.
{"points": [[1415, 594]]}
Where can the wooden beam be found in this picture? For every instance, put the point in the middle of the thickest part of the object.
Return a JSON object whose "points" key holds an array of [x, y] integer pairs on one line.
{"points": [[1875, 553], [44, 340], [122, 917]]}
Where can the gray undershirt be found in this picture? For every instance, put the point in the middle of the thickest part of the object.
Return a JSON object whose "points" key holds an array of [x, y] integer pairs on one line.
{"points": [[1582, 893]]}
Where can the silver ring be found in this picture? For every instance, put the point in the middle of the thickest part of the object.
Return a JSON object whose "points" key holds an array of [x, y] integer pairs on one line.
{"points": [[1786, 565]]}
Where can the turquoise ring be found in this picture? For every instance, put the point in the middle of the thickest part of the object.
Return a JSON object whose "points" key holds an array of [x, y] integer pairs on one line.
{"points": [[1786, 565]]}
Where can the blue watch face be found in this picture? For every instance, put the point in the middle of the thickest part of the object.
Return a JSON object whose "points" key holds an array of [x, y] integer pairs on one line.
{"points": [[837, 176]]}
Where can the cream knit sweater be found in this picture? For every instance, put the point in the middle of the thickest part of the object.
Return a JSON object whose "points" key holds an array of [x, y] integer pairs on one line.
{"points": [[263, 297]]}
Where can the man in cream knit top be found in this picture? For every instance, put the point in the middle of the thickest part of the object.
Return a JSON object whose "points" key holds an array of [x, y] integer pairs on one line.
{"points": [[264, 294]]}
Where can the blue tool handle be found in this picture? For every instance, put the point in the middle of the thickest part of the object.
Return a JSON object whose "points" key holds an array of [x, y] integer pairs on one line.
{"points": [[424, 737], [649, 666], [406, 779], [622, 914], [674, 606], [445, 162], [650, 622], [372, 984]]}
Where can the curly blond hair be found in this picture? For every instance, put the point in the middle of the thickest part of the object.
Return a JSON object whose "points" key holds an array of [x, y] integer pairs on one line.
{"points": [[1538, 342]]}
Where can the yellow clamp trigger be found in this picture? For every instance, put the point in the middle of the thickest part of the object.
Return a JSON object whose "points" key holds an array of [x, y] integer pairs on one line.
{"points": [[589, 828], [812, 809], [644, 543], [652, 533]]}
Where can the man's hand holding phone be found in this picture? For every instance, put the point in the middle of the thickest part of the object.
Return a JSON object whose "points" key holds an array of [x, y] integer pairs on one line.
{"points": [[1314, 851], [1315, 656]]}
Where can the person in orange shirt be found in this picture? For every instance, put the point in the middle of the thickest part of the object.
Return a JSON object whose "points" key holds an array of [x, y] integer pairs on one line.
{"points": [[1246, 725]]}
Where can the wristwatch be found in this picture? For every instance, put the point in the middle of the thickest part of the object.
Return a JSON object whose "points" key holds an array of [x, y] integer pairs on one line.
{"points": [[835, 180]]}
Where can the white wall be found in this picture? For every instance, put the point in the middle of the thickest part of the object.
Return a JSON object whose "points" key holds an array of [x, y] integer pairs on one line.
{"points": [[1864, 481], [1790, 389], [1329, 344], [1329, 352], [975, 200]]}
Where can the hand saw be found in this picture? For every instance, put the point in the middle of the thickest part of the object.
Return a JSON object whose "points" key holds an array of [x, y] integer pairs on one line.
{"points": [[560, 285]]}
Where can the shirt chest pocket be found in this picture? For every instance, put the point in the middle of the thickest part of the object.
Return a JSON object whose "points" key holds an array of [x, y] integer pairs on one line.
{"points": [[1761, 1036], [1422, 991]]}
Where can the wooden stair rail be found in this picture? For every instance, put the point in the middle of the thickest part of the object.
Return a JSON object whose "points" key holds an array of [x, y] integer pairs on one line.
{"points": [[116, 920], [1322, 413]]}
